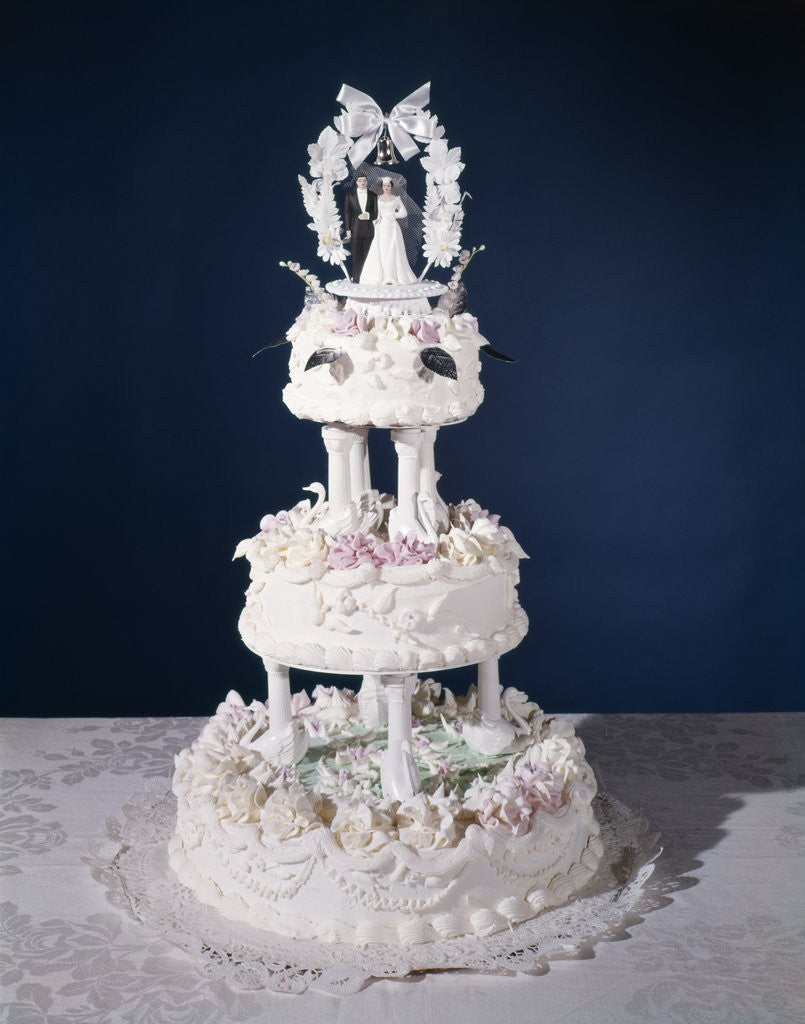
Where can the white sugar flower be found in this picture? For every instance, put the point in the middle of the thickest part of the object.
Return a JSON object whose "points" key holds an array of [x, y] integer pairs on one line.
{"points": [[443, 163], [243, 800], [361, 828], [461, 547], [327, 156], [442, 239], [428, 821], [488, 535], [331, 246], [306, 549], [564, 755], [450, 193], [288, 813]]}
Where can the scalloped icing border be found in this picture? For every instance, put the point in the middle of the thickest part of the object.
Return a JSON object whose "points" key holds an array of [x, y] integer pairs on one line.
{"points": [[334, 409], [508, 911], [340, 657]]}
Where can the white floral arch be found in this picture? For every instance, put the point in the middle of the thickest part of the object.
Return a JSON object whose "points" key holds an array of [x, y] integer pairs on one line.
{"points": [[357, 130]]}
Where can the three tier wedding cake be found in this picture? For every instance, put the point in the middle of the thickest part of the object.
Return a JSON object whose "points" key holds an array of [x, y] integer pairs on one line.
{"points": [[401, 813]]}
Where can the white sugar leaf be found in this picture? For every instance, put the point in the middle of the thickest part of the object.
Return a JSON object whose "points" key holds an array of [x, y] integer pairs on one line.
{"points": [[435, 607], [385, 600]]}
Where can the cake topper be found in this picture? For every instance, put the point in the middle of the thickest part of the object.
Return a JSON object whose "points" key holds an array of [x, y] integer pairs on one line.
{"points": [[360, 128]]}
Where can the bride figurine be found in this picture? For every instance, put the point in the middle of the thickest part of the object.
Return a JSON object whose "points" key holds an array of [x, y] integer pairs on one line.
{"points": [[386, 262]]}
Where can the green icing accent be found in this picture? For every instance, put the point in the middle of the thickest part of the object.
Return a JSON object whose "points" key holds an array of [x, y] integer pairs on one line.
{"points": [[466, 763]]}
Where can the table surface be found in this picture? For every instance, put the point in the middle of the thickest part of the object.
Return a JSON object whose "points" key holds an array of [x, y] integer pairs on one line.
{"points": [[726, 791]]}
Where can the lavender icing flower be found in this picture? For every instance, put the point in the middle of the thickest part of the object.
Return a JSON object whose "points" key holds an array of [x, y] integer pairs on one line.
{"points": [[348, 323], [404, 550], [351, 551]]}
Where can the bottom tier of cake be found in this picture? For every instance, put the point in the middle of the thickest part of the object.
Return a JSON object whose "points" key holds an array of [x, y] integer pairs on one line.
{"points": [[314, 851]]}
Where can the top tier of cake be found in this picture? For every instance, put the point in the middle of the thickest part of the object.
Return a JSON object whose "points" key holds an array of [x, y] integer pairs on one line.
{"points": [[385, 358], [385, 345]]}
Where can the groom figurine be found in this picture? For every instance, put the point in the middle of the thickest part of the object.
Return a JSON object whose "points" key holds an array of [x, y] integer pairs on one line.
{"points": [[360, 212]]}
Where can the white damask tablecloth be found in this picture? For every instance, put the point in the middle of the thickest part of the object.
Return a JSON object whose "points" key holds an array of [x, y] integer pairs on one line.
{"points": [[724, 945]]}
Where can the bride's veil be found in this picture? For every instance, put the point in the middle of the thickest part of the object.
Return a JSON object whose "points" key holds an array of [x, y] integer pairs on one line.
{"points": [[411, 226]]}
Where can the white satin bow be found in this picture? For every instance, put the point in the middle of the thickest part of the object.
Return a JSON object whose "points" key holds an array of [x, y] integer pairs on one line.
{"points": [[365, 119]]}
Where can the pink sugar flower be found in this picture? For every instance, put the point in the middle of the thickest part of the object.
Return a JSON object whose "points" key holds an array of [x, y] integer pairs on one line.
{"points": [[348, 323], [404, 550], [540, 786], [351, 551], [427, 331]]}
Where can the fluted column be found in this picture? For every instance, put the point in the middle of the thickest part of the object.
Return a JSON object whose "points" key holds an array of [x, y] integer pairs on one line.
{"points": [[279, 694], [338, 441], [399, 777], [360, 478], [372, 701], [404, 518], [488, 732], [489, 689]]}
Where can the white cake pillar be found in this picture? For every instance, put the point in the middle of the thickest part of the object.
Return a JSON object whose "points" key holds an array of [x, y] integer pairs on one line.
{"points": [[431, 507], [398, 773], [488, 732], [285, 740], [372, 701], [360, 478], [404, 518], [338, 441]]}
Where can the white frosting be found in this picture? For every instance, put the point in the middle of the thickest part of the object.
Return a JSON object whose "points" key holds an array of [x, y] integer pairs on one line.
{"points": [[457, 608], [379, 379], [397, 618], [361, 869]]}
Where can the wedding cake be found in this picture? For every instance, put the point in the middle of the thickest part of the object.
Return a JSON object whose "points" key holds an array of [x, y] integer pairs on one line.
{"points": [[401, 813]]}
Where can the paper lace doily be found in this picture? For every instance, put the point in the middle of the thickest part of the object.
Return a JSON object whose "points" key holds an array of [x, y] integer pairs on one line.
{"points": [[131, 860]]}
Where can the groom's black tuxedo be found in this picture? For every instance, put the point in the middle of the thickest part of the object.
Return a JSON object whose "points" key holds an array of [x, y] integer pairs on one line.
{"points": [[363, 231]]}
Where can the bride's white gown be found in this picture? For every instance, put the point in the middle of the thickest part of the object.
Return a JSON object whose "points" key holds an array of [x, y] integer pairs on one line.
{"points": [[386, 262]]}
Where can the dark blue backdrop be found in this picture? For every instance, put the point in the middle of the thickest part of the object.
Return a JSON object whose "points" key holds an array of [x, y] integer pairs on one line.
{"points": [[638, 178]]}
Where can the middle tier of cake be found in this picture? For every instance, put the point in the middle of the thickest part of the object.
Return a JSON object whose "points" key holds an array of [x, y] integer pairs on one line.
{"points": [[389, 619]]}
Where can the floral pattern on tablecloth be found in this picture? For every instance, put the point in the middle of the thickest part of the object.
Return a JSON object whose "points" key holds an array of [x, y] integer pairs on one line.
{"points": [[725, 944]]}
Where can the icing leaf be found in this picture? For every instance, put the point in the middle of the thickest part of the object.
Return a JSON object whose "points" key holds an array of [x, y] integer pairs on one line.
{"points": [[384, 601], [437, 360], [321, 356], [435, 607], [272, 344], [494, 354]]}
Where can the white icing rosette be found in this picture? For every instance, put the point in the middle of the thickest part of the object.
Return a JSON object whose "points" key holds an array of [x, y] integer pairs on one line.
{"points": [[363, 828], [331, 704], [305, 549], [242, 800], [429, 821], [561, 754], [288, 813]]}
